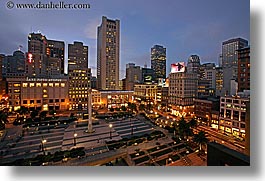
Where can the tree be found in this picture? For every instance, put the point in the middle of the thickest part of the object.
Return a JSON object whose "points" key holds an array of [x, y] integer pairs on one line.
{"points": [[132, 107], [34, 114], [123, 108], [183, 129], [3, 120], [200, 139], [141, 107], [149, 106], [43, 114], [193, 123]]}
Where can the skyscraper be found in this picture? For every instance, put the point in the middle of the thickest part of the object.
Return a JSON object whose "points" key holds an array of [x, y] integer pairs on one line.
{"points": [[230, 61], [133, 75], [159, 61], [36, 64], [14, 63], [55, 53], [108, 54], [244, 69], [194, 63], [79, 76]]}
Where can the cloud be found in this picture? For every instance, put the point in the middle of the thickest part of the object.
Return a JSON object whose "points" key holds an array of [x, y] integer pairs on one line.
{"points": [[91, 28]]}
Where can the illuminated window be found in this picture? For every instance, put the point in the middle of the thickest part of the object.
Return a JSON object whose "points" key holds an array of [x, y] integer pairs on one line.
{"points": [[62, 84], [25, 85], [38, 85], [31, 85], [57, 84], [50, 84], [45, 84], [45, 96], [16, 85], [16, 90]]}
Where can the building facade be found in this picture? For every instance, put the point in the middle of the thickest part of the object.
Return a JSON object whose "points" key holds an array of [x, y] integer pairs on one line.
{"points": [[108, 54], [194, 64], [182, 92], [233, 111], [133, 76], [159, 61], [116, 99], [79, 76], [36, 61], [38, 93], [148, 76], [55, 55], [219, 81], [244, 69], [13, 63], [146, 93], [230, 61]]}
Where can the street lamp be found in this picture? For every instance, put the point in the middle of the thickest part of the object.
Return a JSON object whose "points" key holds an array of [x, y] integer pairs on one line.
{"points": [[43, 141], [110, 127], [75, 136], [168, 160]]}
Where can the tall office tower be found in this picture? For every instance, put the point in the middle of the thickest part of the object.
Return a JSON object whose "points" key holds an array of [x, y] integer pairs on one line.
{"points": [[148, 75], [108, 54], [14, 63], [244, 69], [194, 63], [55, 53], [218, 81], [133, 75], [159, 61], [79, 76], [207, 80], [230, 61], [36, 64]]}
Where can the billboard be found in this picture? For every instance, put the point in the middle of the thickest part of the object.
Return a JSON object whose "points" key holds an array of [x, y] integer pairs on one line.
{"points": [[178, 67]]}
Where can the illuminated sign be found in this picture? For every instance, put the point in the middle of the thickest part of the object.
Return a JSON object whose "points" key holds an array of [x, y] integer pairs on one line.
{"points": [[30, 57], [178, 67]]}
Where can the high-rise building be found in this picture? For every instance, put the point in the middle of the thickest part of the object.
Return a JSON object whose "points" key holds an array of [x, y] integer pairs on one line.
{"points": [[182, 92], [244, 69], [148, 75], [55, 53], [159, 61], [133, 75], [77, 56], [207, 80], [218, 81], [194, 63], [108, 54], [13, 63], [36, 64], [230, 61], [79, 76]]}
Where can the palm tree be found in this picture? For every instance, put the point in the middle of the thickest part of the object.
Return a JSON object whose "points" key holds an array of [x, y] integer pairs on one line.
{"points": [[183, 129], [200, 139], [141, 107], [193, 123], [3, 120]]}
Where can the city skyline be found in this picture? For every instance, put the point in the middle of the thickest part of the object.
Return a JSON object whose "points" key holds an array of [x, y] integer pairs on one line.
{"points": [[183, 31]]}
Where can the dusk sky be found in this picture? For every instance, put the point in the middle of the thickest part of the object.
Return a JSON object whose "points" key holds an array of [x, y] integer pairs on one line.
{"points": [[184, 27]]}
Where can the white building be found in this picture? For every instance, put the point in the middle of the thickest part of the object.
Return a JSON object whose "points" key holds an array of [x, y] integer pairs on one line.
{"points": [[233, 110]]}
